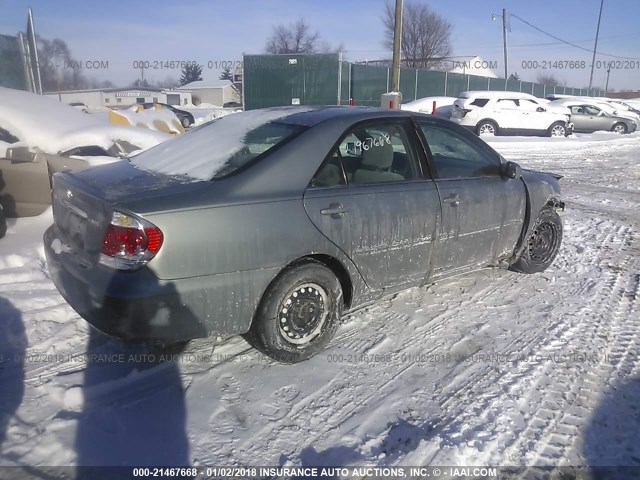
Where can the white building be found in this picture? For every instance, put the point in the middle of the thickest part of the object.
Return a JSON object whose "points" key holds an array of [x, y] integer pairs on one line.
{"points": [[215, 92], [123, 97]]}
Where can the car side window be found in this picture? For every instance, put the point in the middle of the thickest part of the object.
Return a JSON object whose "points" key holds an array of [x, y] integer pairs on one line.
{"points": [[379, 153], [7, 137], [330, 173], [592, 110], [455, 156], [480, 102]]}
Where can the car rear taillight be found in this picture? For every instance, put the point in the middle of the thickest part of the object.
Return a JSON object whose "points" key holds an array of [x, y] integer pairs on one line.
{"points": [[463, 112], [129, 242]]}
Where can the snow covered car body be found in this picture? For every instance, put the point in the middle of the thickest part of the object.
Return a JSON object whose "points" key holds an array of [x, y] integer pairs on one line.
{"points": [[443, 105], [40, 136], [276, 221]]}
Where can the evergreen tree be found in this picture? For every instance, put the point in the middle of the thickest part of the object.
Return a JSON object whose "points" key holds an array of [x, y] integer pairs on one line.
{"points": [[226, 74], [191, 73]]}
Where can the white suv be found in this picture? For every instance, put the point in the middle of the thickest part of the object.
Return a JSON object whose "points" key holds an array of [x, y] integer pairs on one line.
{"points": [[491, 113]]}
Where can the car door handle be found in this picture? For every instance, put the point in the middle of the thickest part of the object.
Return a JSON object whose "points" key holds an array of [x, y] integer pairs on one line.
{"points": [[453, 200], [336, 210]]}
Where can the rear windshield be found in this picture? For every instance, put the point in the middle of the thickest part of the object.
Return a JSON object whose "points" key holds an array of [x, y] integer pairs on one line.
{"points": [[221, 147]]}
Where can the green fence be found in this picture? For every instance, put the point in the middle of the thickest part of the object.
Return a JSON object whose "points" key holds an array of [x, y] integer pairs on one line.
{"points": [[276, 80], [12, 72]]}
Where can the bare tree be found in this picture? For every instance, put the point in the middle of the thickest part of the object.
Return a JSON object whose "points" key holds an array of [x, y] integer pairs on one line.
{"points": [[426, 36], [547, 79], [58, 69], [295, 38]]}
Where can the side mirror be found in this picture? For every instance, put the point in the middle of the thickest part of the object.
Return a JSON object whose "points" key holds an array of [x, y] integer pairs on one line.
{"points": [[20, 155], [511, 170], [541, 109]]}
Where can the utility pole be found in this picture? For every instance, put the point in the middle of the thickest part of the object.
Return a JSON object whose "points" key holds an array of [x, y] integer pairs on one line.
{"points": [[595, 47], [606, 87], [505, 20], [397, 37]]}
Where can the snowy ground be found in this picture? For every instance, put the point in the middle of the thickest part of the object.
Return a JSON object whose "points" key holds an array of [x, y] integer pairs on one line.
{"points": [[493, 368]]}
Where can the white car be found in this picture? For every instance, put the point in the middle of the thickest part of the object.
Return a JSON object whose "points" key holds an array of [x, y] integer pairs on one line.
{"points": [[493, 113]]}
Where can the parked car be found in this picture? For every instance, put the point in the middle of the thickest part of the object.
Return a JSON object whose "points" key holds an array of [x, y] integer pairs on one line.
{"points": [[588, 117], [79, 106], [40, 136], [493, 113], [443, 106], [609, 106], [186, 118], [273, 223]]}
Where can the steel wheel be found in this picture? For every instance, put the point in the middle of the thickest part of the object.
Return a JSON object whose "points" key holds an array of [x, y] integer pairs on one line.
{"points": [[299, 313], [542, 243], [303, 313]]}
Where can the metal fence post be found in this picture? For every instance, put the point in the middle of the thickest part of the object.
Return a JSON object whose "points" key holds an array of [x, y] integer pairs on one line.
{"points": [[415, 93], [445, 83]]}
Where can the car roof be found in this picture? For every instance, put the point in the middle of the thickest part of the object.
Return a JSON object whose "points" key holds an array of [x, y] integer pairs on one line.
{"points": [[496, 94], [311, 116]]}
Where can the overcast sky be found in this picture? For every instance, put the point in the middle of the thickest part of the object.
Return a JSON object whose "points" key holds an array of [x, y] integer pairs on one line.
{"points": [[214, 31]]}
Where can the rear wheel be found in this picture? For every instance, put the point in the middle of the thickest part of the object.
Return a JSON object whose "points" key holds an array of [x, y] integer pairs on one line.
{"points": [[185, 122], [542, 245], [487, 127], [558, 129], [299, 314], [620, 128]]}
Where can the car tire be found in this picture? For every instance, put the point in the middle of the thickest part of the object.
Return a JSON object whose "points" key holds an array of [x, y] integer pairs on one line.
{"points": [[543, 244], [486, 127], [298, 314], [3, 223], [185, 122], [619, 128], [557, 129]]}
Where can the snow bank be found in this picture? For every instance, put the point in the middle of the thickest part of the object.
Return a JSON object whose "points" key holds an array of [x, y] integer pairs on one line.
{"points": [[220, 140], [54, 127]]}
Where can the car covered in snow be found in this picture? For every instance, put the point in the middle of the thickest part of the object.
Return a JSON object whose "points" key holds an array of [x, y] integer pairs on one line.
{"points": [[273, 223], [589, 116], [40, 136], [443, 106], [494, 113]]}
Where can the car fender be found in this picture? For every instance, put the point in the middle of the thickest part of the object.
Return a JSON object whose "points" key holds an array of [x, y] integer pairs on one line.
{"points": [[542, 190]]}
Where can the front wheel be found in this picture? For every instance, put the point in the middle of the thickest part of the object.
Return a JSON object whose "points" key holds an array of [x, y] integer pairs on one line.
{"points": [[557, 130], [185, 122], [620, 128], [299, 314], [542, 245]]}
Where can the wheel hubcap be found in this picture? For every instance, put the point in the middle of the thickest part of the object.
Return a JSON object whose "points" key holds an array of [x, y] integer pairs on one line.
{"points": [[487, 129], [619, 129], [303, 313], [557, 131], [542, 243]]}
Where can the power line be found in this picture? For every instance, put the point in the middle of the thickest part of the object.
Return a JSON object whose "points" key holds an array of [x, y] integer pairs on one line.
{"points": [[569, 43]]}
